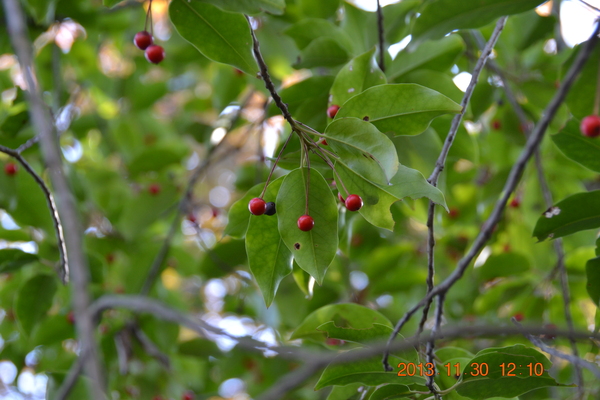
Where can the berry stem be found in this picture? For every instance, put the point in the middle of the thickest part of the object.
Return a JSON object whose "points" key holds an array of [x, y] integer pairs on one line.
{"points": [[275, 164], [307, 158], [148, 16], [597, 99]]}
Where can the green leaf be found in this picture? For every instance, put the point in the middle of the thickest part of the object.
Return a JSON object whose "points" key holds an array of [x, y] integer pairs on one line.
{"points": [[573, 214], [313, 250], [579, 148], [504, 265], [348, 392], [250, 6], [358, 75], [219, 35], [34, 300], [439, 17], [592, 270], [389, 392], [580, 98], [13, 259], [405, 109], [346, 315], [363, 149], [376, 332], [239, 215], [378, 199], [369, 372], [438, 55], [494, 384], [223, 258], [269, 258], [41, 10], [322, 52], [318, 8], [307, 30], [81, 388]]}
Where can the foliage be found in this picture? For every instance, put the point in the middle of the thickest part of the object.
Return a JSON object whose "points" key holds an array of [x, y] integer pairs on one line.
{"points": [[168, 156]]}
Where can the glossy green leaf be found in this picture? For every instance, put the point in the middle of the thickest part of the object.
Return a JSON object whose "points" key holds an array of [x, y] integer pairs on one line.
{"points": [[349, 334], [305, 31], [347, 315], [439, 81], [438, 55], [363, 149], [219, 35], [269, 259], [503, 265], [313, 250], [34, 300], [369, 372], [579, 148], [378, 199], [239, 215], [440, 17], [396, 19], [573, 214], [318, 8], [322, 52], [250, 6], [13, 259], [391, 391], [494, 383], [404, 109], [592, 270], [358, 75]]}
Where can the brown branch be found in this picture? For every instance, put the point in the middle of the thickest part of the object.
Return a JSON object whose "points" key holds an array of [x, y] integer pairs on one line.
{"points": [[381, 34], [67, 209], [514, 176]]}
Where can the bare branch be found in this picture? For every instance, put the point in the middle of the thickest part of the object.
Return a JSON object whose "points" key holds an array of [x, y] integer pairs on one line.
{"points": [[43, 124], [63, 271], [514, 176], [381, 34]]}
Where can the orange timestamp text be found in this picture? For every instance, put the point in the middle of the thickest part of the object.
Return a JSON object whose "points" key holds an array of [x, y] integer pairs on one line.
{"points": [[475, 369]]}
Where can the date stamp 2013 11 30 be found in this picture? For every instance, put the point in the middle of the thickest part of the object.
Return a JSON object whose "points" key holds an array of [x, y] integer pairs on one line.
{"points": [[474, 369]]}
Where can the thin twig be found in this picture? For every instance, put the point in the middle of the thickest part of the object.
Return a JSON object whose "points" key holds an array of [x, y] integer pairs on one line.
{"points": [[381, 34], [575, 360], [433, 180], [526, 125], [67, 208], [71, 378], [514, 176], [63, 271]]}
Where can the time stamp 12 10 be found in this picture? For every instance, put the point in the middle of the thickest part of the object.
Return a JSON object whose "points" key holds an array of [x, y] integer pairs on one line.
{"points": [[477, 369]]}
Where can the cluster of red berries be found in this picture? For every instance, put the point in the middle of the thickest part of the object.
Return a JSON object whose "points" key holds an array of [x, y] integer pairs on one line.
{"points": [[590, 126], [144, 41], [258, 206]]}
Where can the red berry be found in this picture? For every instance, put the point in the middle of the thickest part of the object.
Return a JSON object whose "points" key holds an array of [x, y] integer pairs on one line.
{"points": [[519, 317], [324, 142], [142, 40], [341, 198], [332, 111], [354, 202], [453, 213], [10, 169], [550, 336], [257, 206], [155, 54], [154, 189], [496, 125], [110, 258], [192, 218], [590, 126], [189, 395], [333, 342], [306, 223], [515, 203], [71, 317]]}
